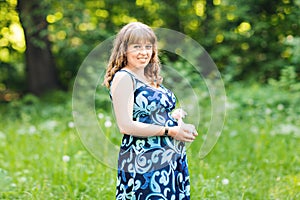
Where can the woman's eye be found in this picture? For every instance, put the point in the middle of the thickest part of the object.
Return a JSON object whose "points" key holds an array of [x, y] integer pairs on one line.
{"points": [[148, 47], [137, 46]]}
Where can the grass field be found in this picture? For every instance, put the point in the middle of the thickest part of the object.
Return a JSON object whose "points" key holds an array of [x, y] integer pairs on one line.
{"points": [[257, 156]]}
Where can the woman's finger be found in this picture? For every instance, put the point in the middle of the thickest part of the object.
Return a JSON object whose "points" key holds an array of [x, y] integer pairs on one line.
{"points": [[190, 137]]}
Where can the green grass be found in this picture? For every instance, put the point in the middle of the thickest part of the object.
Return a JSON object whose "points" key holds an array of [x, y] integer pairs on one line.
{"points": [[256, 157]]}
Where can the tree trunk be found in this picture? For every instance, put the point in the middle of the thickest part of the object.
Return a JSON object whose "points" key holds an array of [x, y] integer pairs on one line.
{"points": [[40, 67]]}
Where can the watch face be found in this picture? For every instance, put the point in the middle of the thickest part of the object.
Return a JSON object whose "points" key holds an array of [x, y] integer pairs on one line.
{"points": [[166, 131]]}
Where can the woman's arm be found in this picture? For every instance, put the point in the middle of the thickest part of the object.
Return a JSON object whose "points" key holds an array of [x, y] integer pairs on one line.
{"points": [[122, 95]]}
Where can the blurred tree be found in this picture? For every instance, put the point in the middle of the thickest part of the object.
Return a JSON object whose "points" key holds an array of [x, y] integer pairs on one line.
{"points": [[247, 39], [40, 66]]}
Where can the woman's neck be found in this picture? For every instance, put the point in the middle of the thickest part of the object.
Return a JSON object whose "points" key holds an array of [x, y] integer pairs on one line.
{"points": [[139, 73]]}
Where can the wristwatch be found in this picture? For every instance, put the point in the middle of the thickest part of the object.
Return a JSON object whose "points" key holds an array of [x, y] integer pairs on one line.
{"points": [[166, 131]]}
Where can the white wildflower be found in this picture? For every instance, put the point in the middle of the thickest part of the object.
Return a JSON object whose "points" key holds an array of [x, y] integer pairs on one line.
{"points": [[100, 115], [71, 125], [225, 181], [66, 158], [280, 107], [13, 185], [23, 179], [268, 111], [288, 129], [107, 123], [32, 129]]}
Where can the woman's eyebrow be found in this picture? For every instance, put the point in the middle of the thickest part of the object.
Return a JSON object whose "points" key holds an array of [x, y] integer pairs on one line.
{"points": [[141, 43]]}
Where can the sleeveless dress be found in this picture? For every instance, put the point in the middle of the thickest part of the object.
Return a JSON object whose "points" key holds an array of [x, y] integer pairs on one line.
{"points": [[152, 167]]}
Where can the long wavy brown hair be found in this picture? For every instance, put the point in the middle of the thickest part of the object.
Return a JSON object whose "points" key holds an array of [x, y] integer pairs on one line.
{"points": [[133, 33]]}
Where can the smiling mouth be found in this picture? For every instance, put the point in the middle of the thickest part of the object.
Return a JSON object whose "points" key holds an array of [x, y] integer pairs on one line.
{"points": [[143, 59]]}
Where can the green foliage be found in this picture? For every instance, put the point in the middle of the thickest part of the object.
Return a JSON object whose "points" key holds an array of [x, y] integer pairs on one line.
{"points": [[287, 80], [293, 49], [246, 39], [12, 46], [256, 157]]}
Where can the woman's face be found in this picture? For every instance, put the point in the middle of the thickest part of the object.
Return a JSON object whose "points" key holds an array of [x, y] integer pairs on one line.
{"points": [[139, 54]]}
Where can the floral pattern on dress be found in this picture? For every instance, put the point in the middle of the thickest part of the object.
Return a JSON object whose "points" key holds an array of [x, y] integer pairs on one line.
{"points": [[154, 167]]}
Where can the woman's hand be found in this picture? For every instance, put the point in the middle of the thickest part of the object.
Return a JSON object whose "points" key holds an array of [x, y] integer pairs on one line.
{"points": [[183, 132], [179, 114]]}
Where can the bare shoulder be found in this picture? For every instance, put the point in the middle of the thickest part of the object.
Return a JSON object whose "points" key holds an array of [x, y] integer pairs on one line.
{"points": [[122, 80]]}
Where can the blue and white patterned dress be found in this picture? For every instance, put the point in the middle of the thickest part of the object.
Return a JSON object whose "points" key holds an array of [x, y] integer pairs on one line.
{"points": [[152, 167]]}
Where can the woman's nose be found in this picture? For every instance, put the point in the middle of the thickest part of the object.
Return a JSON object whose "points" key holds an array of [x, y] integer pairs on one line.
{"points": [[143, 50]]}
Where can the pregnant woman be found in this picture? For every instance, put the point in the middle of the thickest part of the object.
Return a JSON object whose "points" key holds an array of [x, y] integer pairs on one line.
{"points": [[152, 160]]}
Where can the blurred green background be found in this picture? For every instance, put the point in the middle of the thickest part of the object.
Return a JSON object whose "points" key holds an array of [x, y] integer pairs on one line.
{"points": [[255, 45]]}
